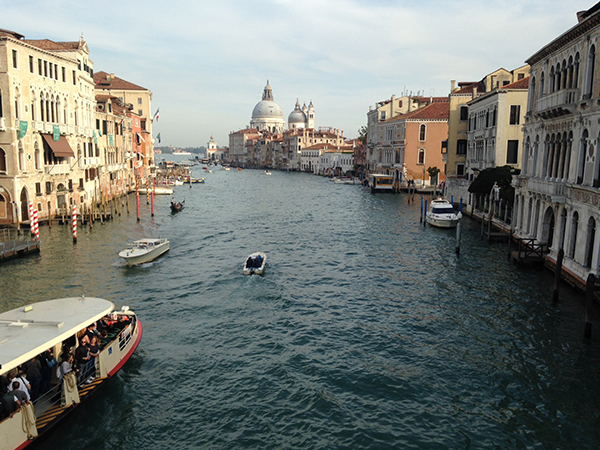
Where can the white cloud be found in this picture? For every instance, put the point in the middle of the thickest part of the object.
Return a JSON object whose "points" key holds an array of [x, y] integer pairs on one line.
{"points": [[207, 62]]}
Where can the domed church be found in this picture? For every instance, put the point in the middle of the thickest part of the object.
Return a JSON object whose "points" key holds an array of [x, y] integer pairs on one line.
{"points": [[267, 115], [302, 118]]}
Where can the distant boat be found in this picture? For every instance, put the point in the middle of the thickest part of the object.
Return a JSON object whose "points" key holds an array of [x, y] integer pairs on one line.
{"points": [[177, 206], [144, 250], [181, 153], [239, 169], [347, 180], [195, 181], [255, 264], [442, 214], [267, 172], [226, 168]]}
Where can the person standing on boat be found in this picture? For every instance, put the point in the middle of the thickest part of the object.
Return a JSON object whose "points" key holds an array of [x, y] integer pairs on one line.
{"points": [[23, 384], [20, 397], [34, 375]]}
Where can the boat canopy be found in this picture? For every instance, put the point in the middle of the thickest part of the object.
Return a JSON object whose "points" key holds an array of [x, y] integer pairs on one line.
{"points": [[27, 331]]}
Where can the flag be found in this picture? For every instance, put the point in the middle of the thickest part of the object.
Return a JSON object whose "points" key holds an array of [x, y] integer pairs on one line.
{"points": [[158, 137], [156, 115]]}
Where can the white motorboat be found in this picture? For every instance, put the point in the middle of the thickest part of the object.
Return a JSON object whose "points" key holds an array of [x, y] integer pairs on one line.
{"points": [[347, 180], [48, 330], [441, 214], [144, 250], [159, 190], [267, 172], [255, 264]]}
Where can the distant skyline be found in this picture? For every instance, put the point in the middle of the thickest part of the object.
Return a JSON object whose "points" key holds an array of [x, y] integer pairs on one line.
{"points": [[208, 62]]}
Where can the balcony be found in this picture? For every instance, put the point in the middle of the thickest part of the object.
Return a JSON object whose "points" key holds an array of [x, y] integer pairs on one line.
{"points": [[557, 190], [57, 169], [557, 104]]}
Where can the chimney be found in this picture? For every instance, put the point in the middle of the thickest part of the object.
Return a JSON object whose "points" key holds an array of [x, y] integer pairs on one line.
{"points": [[474, 91], [581, 16], [452, 85]]}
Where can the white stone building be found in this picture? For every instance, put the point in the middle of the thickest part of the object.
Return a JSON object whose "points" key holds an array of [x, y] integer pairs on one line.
{"points": [[558, 192]]}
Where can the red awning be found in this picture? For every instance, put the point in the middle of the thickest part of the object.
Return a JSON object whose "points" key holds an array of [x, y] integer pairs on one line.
{"points": [[60, 148]]}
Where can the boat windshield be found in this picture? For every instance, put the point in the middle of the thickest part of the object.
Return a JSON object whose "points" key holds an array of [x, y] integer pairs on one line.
{"points": [[442, 210]]}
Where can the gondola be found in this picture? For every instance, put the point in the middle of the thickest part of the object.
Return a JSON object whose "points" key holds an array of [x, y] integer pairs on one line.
{"points": [[177, 206]]}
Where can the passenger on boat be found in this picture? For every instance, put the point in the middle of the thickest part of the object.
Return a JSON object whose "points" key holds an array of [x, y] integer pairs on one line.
{"points": [[258, 261], [65, 367], [34, 375], [249, 262], [20, 397], [22, 383]]}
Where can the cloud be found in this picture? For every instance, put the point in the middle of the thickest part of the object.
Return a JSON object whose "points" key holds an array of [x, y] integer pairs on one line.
{"points": [[207, 62]]}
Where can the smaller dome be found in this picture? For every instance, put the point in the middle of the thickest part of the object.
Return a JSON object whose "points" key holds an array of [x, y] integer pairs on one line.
{"points": [[297, 116]]}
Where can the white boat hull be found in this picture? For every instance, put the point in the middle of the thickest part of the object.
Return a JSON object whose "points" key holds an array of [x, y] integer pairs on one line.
{"points": [[255, 270], [441, 222], [140, 255], [160, 190], [73, 314]]}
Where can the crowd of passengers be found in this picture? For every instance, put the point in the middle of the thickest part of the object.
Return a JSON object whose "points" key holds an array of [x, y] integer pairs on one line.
{"points": [[36, 377]]}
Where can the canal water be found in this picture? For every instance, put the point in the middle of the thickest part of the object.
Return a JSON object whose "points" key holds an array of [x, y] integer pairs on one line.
{"points": [[366, 331]]}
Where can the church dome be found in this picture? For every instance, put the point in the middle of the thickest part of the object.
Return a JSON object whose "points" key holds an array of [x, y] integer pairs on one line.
{"points": [[296, 116], [267, 109]]}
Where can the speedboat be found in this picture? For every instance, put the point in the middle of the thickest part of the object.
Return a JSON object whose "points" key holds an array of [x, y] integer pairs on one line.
{"points": [[255, 264], [442, 215], [346, 180], [177, 206], [48, 330], [144, 250], [195, 181], [267, 172]]}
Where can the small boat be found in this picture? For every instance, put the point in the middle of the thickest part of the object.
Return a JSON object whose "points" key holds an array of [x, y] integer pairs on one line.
{"points": [[226, 168], [239, 169], [195, 181], [441, 214], [159, 190], [144, 250], [177, 206], [267, 172], [347, 180], [48, 330], [255, 264]]}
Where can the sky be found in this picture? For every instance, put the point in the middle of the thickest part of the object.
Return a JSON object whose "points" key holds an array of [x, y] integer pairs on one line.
{"points": [[207, 62]]}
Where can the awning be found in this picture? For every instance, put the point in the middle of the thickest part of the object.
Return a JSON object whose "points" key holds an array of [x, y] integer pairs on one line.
{"points": [[140, 137], [60, 148]]}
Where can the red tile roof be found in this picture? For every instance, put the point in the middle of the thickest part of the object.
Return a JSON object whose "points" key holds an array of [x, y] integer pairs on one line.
{"points": [[468, 88], [47, 44], [433, 111], [105, 80], [520, 84]]}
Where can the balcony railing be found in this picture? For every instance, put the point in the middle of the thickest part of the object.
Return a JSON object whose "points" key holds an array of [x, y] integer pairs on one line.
{"points": [[557, 103], [556, 189], [93, 161], [57, 169]]}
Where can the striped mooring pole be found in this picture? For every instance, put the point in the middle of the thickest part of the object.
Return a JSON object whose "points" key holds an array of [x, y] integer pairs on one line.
{"points": [[36, 226], [74, 224], [137, 197], [153, 189], [147, 191], [31, 225]]}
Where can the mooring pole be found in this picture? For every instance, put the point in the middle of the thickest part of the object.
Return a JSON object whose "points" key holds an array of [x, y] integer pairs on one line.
{"points": [[425, 215], [458, 239], [589, 302], [422, 200], [557, 274]]}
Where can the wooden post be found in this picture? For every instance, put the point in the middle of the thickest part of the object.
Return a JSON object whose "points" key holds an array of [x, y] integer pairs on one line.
{"points": [[510, 238], [457, 249], [589, 302], [482, 224], [557, 274], [425, 215], [489, 229], [422, 200]]}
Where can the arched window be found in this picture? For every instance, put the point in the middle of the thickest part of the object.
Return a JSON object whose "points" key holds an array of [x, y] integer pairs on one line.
{"points": [[590, 72], [542, 84], [570, 70], [422, 132], [2, 161], [582, 151], [589, 244], [573, 240], [576, 71], [38, 157], [552, 76], [531, 94], [421, 157], [557, 78], [21, 158], [564, 74], [3, 207], [33, 100], [17, 103]]}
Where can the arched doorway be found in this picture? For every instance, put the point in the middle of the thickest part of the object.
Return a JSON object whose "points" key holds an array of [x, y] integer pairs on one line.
{"points": [[590, 241], [24, 205]]}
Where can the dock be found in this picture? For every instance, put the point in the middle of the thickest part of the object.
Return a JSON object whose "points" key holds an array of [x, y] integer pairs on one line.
{"points": [[17, 248]]}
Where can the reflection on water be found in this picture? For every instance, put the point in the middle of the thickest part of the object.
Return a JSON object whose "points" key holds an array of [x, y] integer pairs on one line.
{"points": [[365, 332]]}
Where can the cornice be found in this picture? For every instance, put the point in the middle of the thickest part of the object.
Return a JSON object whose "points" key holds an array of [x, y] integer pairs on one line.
{"points": [[577, 31]]}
